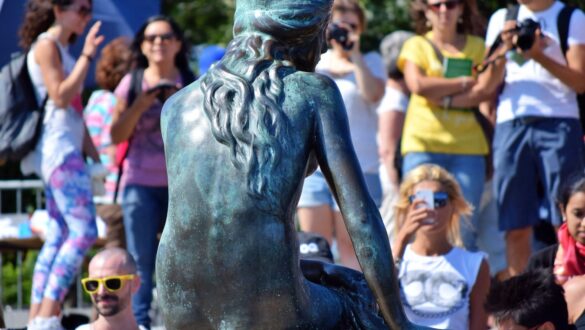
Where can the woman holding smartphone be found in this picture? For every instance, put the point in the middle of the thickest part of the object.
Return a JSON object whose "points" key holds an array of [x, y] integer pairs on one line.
{"points": [[160, 69], [442, 285], [434, 131]]}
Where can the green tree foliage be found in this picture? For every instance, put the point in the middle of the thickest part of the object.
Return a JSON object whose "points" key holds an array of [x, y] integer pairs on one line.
{"points": [[204, 21], [10, 276], [211, 21]]}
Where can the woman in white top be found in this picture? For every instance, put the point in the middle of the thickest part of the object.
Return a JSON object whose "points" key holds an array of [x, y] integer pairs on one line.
{"points": [[441, 284], [360, 79], [49, 27]]}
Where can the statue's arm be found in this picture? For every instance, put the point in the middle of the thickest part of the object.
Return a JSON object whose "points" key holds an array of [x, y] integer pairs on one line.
{"points": [[337, 159]]}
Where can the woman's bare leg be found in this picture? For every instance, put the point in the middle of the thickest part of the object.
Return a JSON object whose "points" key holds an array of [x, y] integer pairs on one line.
{"points": [[318, 219], [344, 245]]}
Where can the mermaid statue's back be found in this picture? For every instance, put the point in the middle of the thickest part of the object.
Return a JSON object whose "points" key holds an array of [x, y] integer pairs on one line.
{"points": [[239, 143]]}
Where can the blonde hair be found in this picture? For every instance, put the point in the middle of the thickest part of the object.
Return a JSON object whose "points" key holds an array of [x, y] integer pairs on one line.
{"points": [[429, 172]]}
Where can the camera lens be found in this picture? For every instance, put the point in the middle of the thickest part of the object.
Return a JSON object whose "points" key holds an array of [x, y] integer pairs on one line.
{"points": [[526, 34], [340, 35]]}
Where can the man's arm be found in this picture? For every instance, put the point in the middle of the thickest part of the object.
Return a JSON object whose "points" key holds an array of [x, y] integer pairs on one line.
{"points": [[572, 74]]}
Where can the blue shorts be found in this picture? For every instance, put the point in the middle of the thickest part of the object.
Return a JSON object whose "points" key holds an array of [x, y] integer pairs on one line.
{"points": [[527, 151], [316, 191]]}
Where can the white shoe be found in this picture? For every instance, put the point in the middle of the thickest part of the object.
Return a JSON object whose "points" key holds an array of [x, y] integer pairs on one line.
{"points": [[45, 323]]}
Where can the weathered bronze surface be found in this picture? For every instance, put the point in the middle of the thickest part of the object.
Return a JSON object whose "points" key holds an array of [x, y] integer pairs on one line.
{"points": [[239, 143]]}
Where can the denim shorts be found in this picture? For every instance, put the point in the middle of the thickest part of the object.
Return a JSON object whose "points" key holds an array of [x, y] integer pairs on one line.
{"points": [[316, 191], [529, 151]]}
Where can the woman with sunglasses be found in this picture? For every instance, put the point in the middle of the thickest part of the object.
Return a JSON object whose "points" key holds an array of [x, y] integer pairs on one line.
{"points": [[360, 79], [161, 68], [442, 285], [434, 131], [49, 27]]}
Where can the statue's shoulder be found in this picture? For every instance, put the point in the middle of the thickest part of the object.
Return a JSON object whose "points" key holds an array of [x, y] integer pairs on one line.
{"points": [[187, 100], [312, 79], [311, 84]]}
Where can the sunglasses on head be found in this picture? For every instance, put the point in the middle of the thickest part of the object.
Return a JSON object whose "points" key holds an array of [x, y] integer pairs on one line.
{"points": [[163, 37], [440, 198], [450, 5], [82, 11], [111, 283]]}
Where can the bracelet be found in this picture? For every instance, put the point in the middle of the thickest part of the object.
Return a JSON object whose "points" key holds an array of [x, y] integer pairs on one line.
{"points": [[89, 57], [447, 101]]}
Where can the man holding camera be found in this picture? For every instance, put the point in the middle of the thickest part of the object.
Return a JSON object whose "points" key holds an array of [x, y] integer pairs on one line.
{"points": [[538, 137]]}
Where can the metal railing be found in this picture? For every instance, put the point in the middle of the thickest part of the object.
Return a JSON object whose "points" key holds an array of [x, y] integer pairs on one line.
{"points": [[18, 187]]}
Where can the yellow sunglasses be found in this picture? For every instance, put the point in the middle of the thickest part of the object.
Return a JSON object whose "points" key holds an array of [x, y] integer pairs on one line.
{"points": [[111, 283]]}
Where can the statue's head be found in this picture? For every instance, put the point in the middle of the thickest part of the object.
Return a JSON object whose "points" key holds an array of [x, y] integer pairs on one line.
{"points": [[298, 24]]}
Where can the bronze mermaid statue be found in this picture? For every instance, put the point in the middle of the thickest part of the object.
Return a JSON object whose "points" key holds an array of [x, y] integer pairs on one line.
{"points": [[239, 143]]}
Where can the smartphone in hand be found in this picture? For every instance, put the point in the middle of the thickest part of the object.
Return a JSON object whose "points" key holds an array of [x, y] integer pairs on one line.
{"points": [[429, 202], [163, 88], [165, 85]]}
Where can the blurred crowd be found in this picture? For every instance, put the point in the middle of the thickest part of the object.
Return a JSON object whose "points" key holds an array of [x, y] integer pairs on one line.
{"points": [[468, 134]]}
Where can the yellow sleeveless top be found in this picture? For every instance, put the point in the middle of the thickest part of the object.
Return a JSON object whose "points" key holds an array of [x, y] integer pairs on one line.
{"points": [[428, 127]]}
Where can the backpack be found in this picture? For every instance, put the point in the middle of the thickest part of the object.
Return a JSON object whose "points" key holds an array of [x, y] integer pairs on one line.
{"points": [[21, 117], [563, 23]]}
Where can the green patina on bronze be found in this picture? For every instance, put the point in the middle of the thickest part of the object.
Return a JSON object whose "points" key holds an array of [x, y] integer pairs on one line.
{"points": [[239, 143]]}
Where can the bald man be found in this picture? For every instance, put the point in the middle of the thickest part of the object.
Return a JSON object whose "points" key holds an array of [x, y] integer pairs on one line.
{"points": [[111, 283]]}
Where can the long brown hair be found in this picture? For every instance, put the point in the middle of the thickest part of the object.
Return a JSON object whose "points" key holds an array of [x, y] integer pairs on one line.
{"points": [[38, 18]]}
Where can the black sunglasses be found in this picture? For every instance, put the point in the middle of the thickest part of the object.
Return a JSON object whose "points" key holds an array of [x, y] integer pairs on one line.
{"points": [[163, 37], [440, 198], [449, 4]]}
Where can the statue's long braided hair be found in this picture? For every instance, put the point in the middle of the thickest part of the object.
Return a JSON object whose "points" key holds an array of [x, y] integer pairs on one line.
{"points": [[243, 94]]}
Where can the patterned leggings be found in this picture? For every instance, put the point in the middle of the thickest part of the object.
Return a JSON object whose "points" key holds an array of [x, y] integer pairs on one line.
{"points": [[72, 230]]}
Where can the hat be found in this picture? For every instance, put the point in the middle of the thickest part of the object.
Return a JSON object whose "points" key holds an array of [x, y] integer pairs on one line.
{"points": [[313, 246], [390, 47]]}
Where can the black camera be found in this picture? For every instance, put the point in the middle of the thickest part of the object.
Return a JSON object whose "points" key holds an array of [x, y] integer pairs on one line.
{"points": [[339, 34], [526, 33]]}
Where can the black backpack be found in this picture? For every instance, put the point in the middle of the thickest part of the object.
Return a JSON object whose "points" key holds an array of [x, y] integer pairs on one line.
{"points": [[21, 117], [563, 22]]}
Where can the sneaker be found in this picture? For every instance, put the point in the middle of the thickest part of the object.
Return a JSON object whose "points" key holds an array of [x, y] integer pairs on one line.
{"points": [[45, 323]]}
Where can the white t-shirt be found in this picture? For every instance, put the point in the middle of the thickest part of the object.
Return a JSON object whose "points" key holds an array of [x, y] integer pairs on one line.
{"points": [[393, 100], [363, 120], [63, 129], [435, 291], [531, 90]]}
